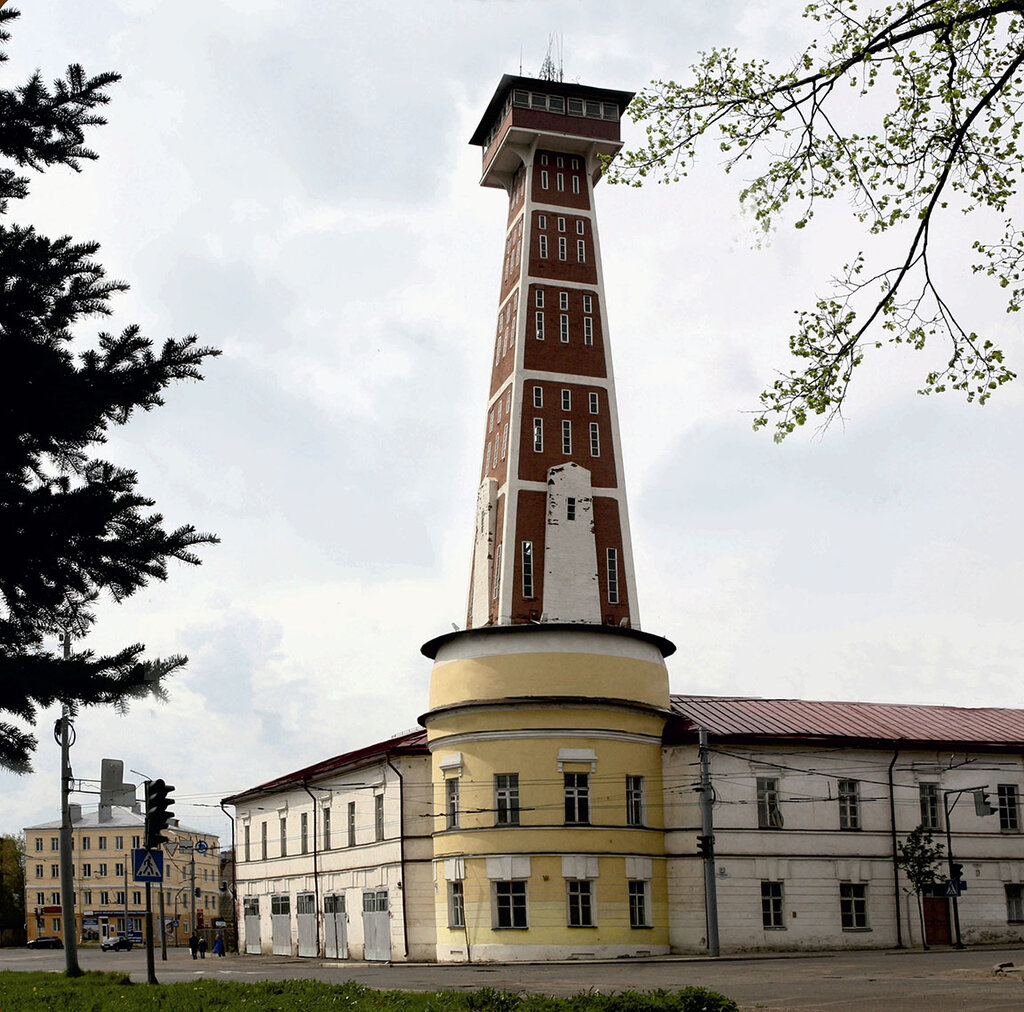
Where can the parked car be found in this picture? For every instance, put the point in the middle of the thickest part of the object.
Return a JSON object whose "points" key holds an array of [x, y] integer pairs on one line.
{"points": [[116, 943], [46, 942]]}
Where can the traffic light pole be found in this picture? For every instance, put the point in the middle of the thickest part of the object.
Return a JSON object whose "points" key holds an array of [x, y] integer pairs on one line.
{"points": [[150, 958], [954, 876]]}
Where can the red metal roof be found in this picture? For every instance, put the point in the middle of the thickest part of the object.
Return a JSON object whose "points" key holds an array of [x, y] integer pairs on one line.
{"points": [[411, 743], [750, 716]]}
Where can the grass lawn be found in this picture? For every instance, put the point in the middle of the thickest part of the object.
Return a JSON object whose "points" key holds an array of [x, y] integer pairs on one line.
{"points": [[99, 992]]}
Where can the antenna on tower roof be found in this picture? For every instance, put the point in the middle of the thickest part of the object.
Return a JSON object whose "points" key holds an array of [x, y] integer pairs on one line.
{"points": [[549, 69]]}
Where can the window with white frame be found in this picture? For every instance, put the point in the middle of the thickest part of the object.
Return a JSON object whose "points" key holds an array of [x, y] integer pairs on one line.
{"points": [[563, 328], [575, 184], [456, 905], [929, 798], [577, 798], [527, 559], [580, 901], [771, 905], [538, 435], [639, 903], [769, 813], [566, 400], [451, 803], [579, 226], [561, 224], [588, 330], [1009, 808], [566, 436], [544, 159], [86, 870], [570, 508], [563, 248], [504, 441], [543, 247], [542, 221], [86, 843], [588, 303], [118, 869], [560, 181], [634, 800], [378, 816], [539, 319], [509, 904], [594, 403], [543, 179], [612, 569], [39, 843], [595, 440], [581, 251], [538, 397], [506, 799], [538, 298], [849, 804], [563, 300], [118, 843], [853, 906], [1014, 902]]}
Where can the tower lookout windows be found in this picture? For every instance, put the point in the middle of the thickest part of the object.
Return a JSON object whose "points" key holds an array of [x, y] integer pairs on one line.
{"points": [[612, 563], [538, 435], [506, 799], [577, 798], [527, 569]]}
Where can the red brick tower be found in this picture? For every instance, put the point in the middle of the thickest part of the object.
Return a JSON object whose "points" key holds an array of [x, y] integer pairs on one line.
{"points": [[552, 533]]}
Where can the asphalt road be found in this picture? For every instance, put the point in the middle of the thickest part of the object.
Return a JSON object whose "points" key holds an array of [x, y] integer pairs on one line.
{"points": [[937, 981]]}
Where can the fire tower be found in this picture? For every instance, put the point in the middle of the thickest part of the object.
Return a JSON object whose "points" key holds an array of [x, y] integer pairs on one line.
{"points": [[547, 712], [552, 533]]}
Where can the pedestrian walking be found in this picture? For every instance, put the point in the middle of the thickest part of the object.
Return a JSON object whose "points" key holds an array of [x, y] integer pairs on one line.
{"points": [[218, 945], [202, 947], [193, 944]]}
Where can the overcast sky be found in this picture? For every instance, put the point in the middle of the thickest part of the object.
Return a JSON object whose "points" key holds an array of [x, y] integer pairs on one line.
{"points": [[292, 181]]}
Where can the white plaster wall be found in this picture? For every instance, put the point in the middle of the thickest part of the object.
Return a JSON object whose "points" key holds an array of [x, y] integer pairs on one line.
{"points": [[483, 550], [571, 592]]}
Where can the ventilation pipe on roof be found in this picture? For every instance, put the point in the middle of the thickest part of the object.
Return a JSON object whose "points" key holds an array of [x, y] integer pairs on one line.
{"points": [[895, 849], [401, 855]]}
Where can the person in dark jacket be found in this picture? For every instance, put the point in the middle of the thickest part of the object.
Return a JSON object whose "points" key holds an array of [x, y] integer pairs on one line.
{"points": [[193, 944], [202, 947]]}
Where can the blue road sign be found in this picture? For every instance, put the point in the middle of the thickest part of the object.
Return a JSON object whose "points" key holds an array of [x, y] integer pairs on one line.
{"points": [[148, 865], [202, 846], [952, 887]]}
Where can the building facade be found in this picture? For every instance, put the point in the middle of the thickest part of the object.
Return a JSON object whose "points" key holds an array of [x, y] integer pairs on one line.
{"points": [[548, 808], [107, 899]]}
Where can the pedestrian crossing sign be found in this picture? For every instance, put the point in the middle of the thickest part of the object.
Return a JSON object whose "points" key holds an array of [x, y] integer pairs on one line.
{"points": [[148, 865]]}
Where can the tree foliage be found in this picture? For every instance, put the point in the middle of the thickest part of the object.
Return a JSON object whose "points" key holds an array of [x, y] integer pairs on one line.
{"points": [[912, 111], [75, 526], [918, 857]]}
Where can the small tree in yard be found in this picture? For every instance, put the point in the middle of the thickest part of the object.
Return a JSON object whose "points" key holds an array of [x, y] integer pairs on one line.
{"points": [[74, 527], [918, 857]]}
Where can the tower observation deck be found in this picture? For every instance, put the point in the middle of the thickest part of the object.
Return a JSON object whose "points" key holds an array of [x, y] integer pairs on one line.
{"points": [[551, 540]]}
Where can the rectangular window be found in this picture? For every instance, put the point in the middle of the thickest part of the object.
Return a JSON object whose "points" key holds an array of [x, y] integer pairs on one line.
{"points": [[378, 816], [638, 904], [55, 923], [538, 435], [579, 226], [86, 842], [539, 298], [544, 179], [588, 330], [563, 300], [581, 251], [351, 823], [327, 829], [634, 801], [104, 898], [504, 441], [577, 798], [566, 436], [136, 898], [283, 827], [540, 325], [497, 572], [612, 561], [575, 184], [1009, 809], [54, 843], [280, 905], [543, 159], [1014, 903], [510, 904], [40, 899], [560, 181], [101, 843], [54, 871], [263, 841], [39, 843], [538, 397], [849, 804], [119, 869], [86, 871], [930, 805], [527, 569], [771, 905], [563, 248], [593, 404], [580, 895], [567, 400], [101, 869], [853, 906], [136, 842], [570, 508], [451, 803], [506, 799], [456, 906], [118, 843], [542, 221], [561, 224], [543, 247], [119, 897], [563, 328], [87, 897], [595, 440], [769, 814], [588, 303], [304, 833], [247, 837], [39, 871]]}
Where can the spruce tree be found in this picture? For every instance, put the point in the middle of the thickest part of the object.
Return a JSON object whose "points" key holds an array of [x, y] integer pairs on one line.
{"points": [[74, 527]]}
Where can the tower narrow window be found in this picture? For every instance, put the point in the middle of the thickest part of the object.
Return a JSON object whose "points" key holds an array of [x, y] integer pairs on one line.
{"points": [[539, 298], [563, 328], [588, 303], [451, 803], [561, 223], [506, 799], [579, 226], [284, 837], [575, 164], [595, 440], [575, 184], [538, 397], [577, 798], [542, 221], [527, 569], [560, 181], [581, 251], [543, 179], [263, 841], [588, 330], [559, 162], [304, 833], [567, 400], [612, 560], [566, 436], [543, 159], [543, 247], [634, 801], [378, 816], [540, 325], [563, 300], [351, 816], [504, 441], [570, 508], [563, 253], [538, 435]]}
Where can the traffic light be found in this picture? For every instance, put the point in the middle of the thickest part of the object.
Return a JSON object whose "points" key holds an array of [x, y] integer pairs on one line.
{"points": [[982, 806], [199, 891], [158, 812], [956, 872], [705, 845], [200, 920]]}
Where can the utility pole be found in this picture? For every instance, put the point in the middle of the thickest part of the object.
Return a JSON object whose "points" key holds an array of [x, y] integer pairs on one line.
{"points": [[707, 843], [65, 736]]}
